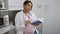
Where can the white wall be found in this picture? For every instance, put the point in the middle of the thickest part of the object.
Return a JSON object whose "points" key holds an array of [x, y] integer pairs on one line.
{"points": [[50, 10]]}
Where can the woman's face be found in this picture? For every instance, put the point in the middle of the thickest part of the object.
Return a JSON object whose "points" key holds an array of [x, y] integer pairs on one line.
{"points": [[28, 7]]}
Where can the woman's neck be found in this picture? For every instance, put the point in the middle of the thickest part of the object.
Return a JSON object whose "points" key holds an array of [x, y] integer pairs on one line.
{"points": [[25, 11]]}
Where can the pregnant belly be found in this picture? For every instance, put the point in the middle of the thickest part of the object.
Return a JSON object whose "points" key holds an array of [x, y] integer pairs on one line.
{"points": [[29, 29]]}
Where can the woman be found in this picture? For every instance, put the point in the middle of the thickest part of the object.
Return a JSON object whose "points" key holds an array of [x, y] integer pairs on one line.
{"points": [[23, 19]]}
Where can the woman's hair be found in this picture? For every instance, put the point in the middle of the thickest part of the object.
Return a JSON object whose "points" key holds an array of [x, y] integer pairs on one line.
{"points": [[26, 2]]}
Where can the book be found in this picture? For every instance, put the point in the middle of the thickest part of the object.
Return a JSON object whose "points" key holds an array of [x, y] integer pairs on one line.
{"points": [[36, 22]]}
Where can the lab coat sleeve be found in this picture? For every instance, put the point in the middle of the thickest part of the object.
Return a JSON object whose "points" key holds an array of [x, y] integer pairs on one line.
{"points": [[18, 24]]}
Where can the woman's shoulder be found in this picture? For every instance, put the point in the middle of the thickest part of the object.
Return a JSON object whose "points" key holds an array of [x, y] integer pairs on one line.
{"points": [[32, 12], [19, 12]]}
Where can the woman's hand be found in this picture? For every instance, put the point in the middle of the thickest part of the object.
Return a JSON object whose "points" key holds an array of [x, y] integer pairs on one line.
{"points": [[27, 22]]}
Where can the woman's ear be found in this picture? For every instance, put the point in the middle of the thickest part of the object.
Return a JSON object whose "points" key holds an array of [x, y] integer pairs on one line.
{"points": [[31, 7]]}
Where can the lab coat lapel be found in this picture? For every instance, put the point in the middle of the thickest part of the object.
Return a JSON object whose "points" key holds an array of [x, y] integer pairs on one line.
{"points": [[22, 20]]}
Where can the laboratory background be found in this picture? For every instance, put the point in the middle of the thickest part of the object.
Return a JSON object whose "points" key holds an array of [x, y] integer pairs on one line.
{"points": [[48, 10]]}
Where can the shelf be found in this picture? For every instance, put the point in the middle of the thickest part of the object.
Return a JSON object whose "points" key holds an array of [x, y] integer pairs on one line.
{"points": [[10, 10], [6, 29]]}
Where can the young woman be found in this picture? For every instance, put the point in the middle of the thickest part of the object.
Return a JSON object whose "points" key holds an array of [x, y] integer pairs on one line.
{"points": [[23, 19]]}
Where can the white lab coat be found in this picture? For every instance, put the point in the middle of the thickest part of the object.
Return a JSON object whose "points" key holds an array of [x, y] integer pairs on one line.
{"points": [[19, 22]]}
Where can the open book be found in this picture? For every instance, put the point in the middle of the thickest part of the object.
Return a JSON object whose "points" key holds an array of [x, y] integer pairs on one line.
{"points": [[36, 22]]}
